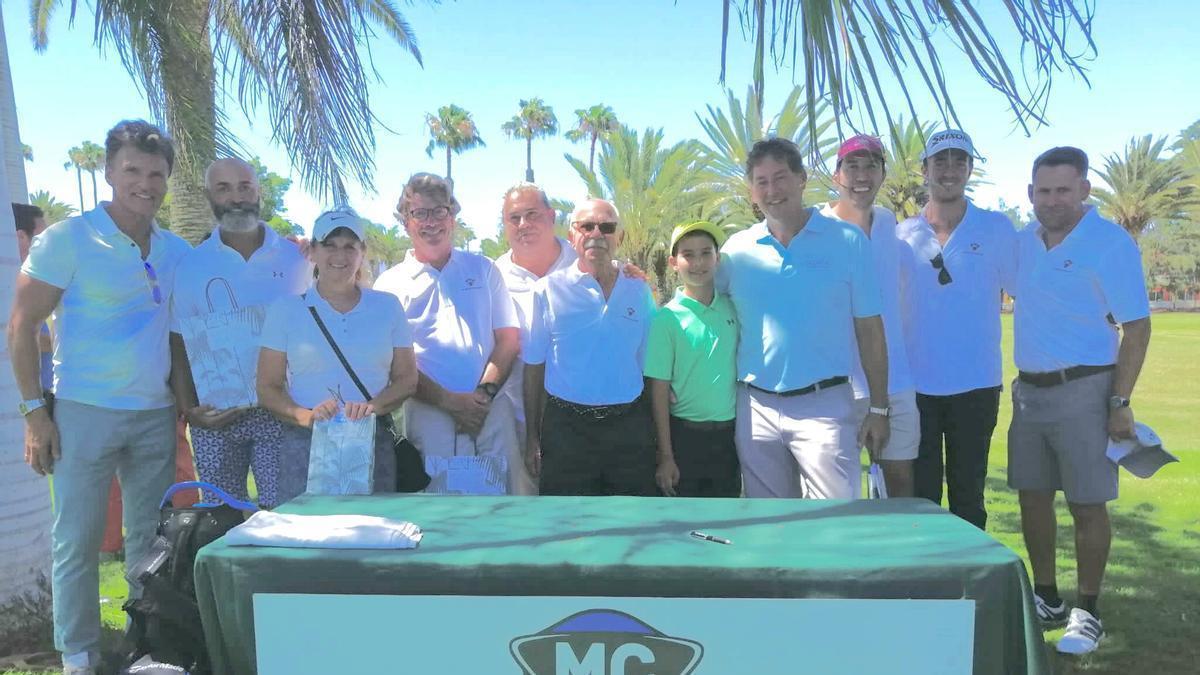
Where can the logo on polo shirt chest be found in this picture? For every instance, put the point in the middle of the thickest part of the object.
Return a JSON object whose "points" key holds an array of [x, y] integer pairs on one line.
{"points": [[470, 284], [1067, 264], [975, 248], [277, 274]]}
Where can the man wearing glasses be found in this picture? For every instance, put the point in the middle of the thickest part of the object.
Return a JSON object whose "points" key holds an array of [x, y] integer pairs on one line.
{"points": [[958, 259], [534, 252], [465, 334], [588, 427], [107, 275], [805, 291]]}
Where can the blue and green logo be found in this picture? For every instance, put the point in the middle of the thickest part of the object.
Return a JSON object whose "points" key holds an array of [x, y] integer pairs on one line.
{"points": [[604, 642]]}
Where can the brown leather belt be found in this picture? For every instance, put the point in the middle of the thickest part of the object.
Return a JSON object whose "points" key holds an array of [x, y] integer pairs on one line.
{"points": [[816, 386], [1054, 378], [702, 426], [595, 412]]}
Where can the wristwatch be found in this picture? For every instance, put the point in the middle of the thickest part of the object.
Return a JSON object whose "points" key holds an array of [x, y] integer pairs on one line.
{"points": [[29, 405], [880, 411], [489, 388], [1115, 402]]}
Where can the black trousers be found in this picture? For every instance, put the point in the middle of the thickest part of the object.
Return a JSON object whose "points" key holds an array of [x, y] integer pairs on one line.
{"points": [[707, 461], [964, 422], [585, 456]]}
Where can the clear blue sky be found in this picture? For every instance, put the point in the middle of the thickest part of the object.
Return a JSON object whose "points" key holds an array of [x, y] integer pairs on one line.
{"points": [[654, 61]]}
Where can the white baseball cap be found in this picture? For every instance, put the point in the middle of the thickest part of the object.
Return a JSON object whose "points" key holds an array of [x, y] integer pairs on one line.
{"points": [[341, 217], [950, 139], [1141, 455]]}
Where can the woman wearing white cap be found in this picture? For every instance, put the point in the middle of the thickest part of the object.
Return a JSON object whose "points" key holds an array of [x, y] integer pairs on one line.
{"points": [[301, 378]]}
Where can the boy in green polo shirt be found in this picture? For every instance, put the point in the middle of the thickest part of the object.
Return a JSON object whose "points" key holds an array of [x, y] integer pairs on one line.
{"points": [[692, 373]]}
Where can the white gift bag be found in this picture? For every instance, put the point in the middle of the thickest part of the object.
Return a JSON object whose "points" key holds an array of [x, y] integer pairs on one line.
{"points": [[222, 348], [341, 460]]}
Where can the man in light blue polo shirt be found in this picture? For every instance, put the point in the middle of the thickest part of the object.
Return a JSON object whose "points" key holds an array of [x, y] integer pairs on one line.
{"points": [[797, 279], [107, 275]]}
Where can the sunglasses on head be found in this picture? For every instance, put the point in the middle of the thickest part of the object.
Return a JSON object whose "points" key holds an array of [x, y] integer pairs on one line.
{"points": [[939, 264], [589, 227]]}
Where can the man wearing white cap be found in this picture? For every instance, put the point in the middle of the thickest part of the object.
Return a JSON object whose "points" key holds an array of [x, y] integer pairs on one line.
{"points": [[466, 336], [534, 253], [959, 258], [243, 266], [858, 176], [1080, 277]]}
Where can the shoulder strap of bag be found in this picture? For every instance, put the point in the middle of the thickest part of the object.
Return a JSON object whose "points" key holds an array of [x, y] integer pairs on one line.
{"points": [[341, 357]]}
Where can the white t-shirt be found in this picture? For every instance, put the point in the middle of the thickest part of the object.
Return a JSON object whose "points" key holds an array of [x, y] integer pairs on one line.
{"points": [[594, 350], [952, 331], [110, 336], [885, 251], [367, 336], [1064, 295], [453, 313], [521, 283]]}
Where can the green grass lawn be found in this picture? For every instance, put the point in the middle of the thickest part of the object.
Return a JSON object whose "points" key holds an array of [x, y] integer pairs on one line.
{"points": [[1151, 599]]}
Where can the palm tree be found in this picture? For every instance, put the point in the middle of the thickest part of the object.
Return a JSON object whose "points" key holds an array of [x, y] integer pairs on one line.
{"points": [[25, 500], [904, 191], [298, 57], [654, 187], [53, 209], [851, 48], [535, 120], [1143, 186], [593, 124], [26, 152], [1189, 159], [453, 129], [731, 134], [75, 158], [93, 161]]}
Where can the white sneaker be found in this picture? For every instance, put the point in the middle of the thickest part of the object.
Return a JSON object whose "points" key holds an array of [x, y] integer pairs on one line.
{"points": [[1050, 615], [1083, 635]]}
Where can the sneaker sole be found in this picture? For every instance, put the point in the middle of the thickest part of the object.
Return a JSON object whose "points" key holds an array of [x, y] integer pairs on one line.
{"points": [[1099, 641]]}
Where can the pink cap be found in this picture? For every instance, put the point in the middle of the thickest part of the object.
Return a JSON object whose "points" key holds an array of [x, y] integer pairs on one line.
{"points": [[860, 143]]}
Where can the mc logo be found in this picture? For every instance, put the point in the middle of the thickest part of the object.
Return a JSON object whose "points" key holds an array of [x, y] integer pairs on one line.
{"points": [[604, 642]]}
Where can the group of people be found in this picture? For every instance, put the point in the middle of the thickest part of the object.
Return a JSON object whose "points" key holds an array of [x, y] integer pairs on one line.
{"points": [[790, 346]]}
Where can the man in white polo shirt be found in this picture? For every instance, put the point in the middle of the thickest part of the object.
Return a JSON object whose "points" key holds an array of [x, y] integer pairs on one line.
{"points": [[107, 276], [534, 252], [858, 176], [805, 292], [466, 336], [242, 266], [1080, 278], [588, 428], [958, 259]]}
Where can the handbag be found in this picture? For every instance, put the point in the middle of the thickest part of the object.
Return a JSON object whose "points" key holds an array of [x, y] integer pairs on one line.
{"points": [[410, 467]]}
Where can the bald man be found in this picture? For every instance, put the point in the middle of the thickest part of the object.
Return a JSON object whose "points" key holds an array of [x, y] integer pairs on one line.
{"points": [[244, 266]]}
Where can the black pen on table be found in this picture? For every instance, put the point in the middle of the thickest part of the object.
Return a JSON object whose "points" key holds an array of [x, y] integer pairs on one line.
{"points": [[708, 537]]}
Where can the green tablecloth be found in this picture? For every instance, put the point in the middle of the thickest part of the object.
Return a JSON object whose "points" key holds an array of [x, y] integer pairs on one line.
{"points": [[629, 546]]}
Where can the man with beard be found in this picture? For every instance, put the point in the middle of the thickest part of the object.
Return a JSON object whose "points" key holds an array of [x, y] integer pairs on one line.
{"points": [[959, 258], [243, 265], [1080, 277], [107, 275], [859, 175], [588, 428], [465, 335]]}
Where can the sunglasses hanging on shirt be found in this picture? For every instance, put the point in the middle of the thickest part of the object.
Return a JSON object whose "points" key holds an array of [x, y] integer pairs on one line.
{"points": [[939, 264]]}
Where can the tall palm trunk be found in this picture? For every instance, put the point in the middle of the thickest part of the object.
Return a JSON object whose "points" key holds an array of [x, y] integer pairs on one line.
{"points": [[592, 153], [448, 165], [79, 179], [95, 196], [187, 72], [25, 499], [529, 159]]}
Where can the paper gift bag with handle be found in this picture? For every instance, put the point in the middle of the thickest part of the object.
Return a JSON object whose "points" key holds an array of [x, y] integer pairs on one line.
{"points": [[222, 348]]}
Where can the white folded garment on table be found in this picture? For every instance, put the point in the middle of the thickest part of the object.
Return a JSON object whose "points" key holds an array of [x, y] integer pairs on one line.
{"points": [[286, 530]]}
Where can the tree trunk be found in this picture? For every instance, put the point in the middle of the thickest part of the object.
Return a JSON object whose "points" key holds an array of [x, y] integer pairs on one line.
{"points": [[592, 153], [14, 159], [95, 197], [79, 179], [187, 72], [25, 499], [448, 166], [529, 159]]}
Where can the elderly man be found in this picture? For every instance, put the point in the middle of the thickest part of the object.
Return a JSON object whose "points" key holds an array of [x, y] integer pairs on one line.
{"points": [[107, 275], [1079, 275], [858, 176], [958, 258], [466, 336], [588, 428], [534, 252], [805, 292], [244, 266]]}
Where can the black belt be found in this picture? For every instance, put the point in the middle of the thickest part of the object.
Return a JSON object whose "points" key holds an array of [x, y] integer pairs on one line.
{"points": [[596, 412], [702, 426], [1057, 377], [816, 386]]}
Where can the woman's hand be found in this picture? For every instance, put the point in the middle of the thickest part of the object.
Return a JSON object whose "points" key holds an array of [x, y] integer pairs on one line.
{"points": [[325, 410], [356, 410]]}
